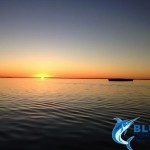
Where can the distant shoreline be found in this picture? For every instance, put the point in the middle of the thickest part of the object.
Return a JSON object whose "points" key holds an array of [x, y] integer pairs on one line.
{"points": [[65, 78]]}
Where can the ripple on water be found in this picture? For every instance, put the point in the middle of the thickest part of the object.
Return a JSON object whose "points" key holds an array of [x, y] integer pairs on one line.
{"points": [[68, 114]]}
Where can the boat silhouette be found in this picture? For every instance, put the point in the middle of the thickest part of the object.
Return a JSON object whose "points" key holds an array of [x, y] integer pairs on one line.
{"points": [[120, 79]]}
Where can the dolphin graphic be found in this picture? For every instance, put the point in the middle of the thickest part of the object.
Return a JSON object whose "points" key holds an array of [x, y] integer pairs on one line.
{"points": [[120, 128]]}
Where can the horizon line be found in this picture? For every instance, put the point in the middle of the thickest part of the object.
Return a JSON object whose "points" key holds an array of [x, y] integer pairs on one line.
{"points": [[76, 78]]}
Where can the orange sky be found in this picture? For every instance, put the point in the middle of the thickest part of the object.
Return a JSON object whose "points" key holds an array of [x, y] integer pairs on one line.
{"points": [[90, 40]]}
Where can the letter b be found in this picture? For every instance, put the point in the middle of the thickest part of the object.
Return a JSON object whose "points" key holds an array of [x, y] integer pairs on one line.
{"points": [[137, 128]]}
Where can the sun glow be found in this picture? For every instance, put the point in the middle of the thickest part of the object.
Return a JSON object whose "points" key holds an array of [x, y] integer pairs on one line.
{"points": [[42, 75]]}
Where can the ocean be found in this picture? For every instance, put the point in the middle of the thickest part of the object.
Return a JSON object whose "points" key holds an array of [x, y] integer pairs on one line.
{"points": [[70, 114]]}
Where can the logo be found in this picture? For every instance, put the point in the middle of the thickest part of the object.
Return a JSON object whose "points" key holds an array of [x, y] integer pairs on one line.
{"points": [[121, 127], [142, 132]]}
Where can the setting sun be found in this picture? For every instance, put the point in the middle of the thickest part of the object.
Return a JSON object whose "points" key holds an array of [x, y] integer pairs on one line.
{"points": [[42, 75]]}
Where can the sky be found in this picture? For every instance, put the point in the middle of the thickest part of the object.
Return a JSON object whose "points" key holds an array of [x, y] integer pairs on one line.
{"points": [[75, 38]]}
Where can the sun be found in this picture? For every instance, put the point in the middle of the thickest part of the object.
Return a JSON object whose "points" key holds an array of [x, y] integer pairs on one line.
{"points": [[42, 75]]}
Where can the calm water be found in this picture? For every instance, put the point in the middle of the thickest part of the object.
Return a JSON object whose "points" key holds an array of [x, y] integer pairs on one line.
{"points": [[57, 114]]}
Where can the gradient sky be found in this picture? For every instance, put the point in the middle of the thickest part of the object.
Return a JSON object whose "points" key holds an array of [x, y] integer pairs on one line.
{"points": [[75, 38]]}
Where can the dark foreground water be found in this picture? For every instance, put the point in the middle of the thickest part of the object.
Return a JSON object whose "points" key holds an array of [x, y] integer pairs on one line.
{"points": [[57, 114]]}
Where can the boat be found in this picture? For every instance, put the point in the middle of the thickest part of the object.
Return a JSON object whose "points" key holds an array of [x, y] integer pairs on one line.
{"points": [[120, 79]]}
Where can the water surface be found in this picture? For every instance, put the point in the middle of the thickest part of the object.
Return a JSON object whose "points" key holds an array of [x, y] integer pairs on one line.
{"points": [[61, 114]]}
